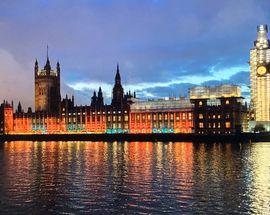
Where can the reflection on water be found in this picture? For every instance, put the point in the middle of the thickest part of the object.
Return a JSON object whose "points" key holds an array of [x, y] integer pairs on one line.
{"points": [[84, 177]]}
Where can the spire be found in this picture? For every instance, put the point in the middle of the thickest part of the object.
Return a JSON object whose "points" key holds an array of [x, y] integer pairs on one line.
{"points": [[19, 108], [117, 76], [47, 67], [100, 93], [47, 53], [94, 100], [58, 68], [36, 67]]}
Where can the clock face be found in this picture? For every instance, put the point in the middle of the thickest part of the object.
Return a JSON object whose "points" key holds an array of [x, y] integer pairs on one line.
{"points": [[261, 70]]}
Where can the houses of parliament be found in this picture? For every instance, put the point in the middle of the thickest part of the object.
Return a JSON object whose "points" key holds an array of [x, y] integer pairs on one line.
{"points": [[125, 114], [207, 110]]}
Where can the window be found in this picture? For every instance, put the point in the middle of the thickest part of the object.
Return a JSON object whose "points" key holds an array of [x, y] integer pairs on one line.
{"points": [[227, 102], [126, 118], [200, 103], [200, 125], [227, 124], [200, 116], [166, 117], [143, 117], [177, 116]]}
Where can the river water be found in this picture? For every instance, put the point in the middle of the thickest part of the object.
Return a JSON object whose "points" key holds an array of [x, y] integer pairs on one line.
{"points": [[135, 177]]}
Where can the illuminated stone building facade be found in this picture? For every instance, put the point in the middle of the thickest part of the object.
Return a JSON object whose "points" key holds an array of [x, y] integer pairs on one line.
{"points": [[260, 78], [161, 116], [218, 110], [209, 110]]}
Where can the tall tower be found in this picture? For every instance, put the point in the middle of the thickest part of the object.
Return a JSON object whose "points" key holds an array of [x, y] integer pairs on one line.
{"points": [[118, 91], [47, 88], [260, 76]]}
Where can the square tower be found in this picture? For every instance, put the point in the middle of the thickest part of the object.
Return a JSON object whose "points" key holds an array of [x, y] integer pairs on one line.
{"points": [[47, 88]]}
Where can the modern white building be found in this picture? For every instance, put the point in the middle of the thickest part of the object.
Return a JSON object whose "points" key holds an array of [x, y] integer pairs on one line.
{"points": [[260, 78]]}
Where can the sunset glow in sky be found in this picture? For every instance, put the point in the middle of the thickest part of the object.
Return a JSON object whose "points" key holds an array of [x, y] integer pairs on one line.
{"points": [[163, 46]]}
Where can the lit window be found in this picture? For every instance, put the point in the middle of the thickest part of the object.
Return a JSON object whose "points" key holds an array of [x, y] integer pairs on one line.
{"points": [[228, 124], [200, 103], [200, 125], [200, 116], [227, 102]]}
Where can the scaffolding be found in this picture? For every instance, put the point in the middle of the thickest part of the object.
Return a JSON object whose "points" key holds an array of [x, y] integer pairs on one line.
{"points": [[161, 104], [225, 90]]}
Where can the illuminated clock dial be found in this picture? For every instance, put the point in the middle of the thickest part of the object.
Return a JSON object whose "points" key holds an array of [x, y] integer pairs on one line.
{"points": [[261, 70]]}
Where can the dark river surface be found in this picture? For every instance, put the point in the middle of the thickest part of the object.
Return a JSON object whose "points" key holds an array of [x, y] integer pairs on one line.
{"points": [[135, 177]]}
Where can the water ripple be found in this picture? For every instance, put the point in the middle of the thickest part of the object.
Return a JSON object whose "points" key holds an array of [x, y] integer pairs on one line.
{"points": [[143, 178]]}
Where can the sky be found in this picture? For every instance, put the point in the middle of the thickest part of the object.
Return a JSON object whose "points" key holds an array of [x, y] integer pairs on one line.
{"points": [[163, 47]]}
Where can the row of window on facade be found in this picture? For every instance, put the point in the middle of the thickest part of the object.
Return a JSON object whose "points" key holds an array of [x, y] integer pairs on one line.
{"points": [[214, 102], [215, 125], [213, 116], [91, 112], [161, 116]]}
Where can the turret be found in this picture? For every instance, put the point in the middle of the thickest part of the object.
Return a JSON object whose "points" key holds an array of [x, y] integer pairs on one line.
{"points": [[47, 66], [94, 100], [100, 101], [117, 76], [19, 108], [58, 68], [36, 67], [118, 91]]}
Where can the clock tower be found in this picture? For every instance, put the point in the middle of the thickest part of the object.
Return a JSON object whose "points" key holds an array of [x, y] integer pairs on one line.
{"points": [[260, 77]]}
